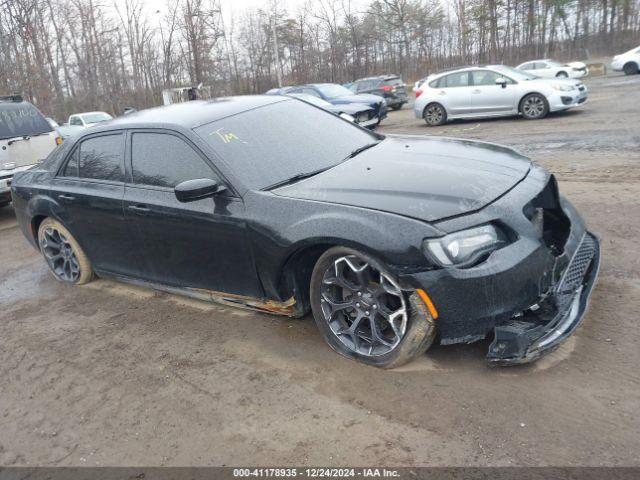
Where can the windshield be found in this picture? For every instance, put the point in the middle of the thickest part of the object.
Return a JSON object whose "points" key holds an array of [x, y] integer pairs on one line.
{"points": [[21, 119], [331, 90], [515, 74], [273, 143], [96, 117]]}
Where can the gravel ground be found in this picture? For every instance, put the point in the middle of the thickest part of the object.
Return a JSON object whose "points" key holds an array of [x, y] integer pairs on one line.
{"points": [[108, 374]]}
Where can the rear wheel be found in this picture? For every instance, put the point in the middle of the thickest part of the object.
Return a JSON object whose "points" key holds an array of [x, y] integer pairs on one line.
{"points": [[630, 68], [362, 312], [435, 114], [397, 106], [66, 260], [562, 75], [4, 204], [534, 106]]}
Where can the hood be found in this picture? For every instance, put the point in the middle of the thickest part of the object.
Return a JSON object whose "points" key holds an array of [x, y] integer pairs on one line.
{"points": [[427, 178], [359, 98], [351, 108]]}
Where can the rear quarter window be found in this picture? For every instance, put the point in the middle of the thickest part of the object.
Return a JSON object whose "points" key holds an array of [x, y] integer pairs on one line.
{"points": [[21, 119], [393, 82]]}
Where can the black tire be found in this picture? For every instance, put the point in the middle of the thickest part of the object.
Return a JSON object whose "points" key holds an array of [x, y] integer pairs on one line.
{"points": [[562, 75], [64, 256], [4, 204], [435, 115], [409, 333], [534, 106], [397, 106], [630, 68]]}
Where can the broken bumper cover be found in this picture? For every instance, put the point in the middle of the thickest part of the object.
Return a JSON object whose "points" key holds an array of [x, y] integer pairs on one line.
{"points": [[527, 337]]}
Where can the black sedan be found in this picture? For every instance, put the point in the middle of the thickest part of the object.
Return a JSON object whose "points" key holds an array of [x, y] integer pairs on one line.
{"points": [[273, 204]]}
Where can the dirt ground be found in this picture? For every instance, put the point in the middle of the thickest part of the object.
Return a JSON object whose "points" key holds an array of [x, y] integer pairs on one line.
{"points": [[108, 374]]}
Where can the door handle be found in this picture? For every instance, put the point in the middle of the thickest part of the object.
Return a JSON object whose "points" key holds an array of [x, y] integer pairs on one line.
{"points": [[442, 92], [477, 91], [66, 197], [139, 208]]}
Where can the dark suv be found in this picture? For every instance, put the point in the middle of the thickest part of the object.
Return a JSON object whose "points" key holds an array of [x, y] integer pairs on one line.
{"points": [[391, 87]]}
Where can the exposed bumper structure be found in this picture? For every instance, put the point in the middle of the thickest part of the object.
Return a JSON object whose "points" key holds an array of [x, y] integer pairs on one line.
{"points": [[528, 336]]}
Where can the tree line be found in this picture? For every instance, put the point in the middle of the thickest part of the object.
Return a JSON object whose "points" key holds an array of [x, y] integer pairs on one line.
{"points": [[78, 55]]}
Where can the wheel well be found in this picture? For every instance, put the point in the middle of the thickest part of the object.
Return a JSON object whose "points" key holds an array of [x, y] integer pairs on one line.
{"points": [[296, 275], [561, 72], [35, 226]]}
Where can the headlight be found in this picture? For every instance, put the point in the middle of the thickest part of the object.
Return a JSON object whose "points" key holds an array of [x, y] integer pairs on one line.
{"points": [[464, 247], [562, 87]]}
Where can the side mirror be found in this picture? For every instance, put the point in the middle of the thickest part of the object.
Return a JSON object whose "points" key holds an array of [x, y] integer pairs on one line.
{"points": [[197, 189], [502, 82]]}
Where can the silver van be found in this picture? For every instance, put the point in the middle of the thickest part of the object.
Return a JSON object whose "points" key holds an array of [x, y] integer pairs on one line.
{"points": [[26, 138]]}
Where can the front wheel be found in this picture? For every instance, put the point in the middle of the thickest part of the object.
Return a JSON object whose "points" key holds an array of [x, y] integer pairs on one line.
{"points": [[534, 106], [435, 115], [397, 106], [66, 259], [363, 314]]}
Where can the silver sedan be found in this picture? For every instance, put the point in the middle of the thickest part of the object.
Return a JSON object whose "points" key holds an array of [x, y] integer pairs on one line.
{"points": [[494, 91]]}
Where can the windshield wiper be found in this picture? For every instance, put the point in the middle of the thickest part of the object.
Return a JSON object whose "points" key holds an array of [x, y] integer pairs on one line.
{"points": [[296, 178], [362, 149]]}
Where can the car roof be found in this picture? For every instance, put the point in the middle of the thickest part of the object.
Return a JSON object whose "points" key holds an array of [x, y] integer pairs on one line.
{"points": [[379, 77], [192, 114], [87, 113]]}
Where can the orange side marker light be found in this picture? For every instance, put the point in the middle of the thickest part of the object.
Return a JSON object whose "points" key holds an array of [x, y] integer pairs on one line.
{"points": [[427, 301]]}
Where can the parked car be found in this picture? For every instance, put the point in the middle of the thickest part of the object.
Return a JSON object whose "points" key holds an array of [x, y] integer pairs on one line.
{"points": [[277, 206], [359, 113], [390, 87], [627, 62], [552, 69], [88, 119], [492, 91], [52, 122], [26, 138], [337, 95]]}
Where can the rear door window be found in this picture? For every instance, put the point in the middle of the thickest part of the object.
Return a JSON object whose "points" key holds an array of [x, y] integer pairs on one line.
{"points": [[21, 119], [165, 160], [454, 80], [100, 158]]}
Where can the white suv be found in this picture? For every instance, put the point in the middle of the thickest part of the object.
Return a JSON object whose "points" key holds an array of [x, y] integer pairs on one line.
{"points": [[627, 62], [494, 91], [26, 138]]}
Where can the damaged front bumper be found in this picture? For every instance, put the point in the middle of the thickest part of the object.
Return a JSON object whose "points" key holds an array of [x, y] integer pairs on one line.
{"points": [[532, 294], [539, 330]]}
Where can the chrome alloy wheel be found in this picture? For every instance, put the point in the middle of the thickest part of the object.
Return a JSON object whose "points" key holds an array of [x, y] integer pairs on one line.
{"points": [[533, 106], [364, 308], [60, 255]]}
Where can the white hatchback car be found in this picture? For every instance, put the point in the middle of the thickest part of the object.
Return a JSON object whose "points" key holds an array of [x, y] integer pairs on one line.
{"points": [[493, 91], [627, 62], [552, 69]]}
